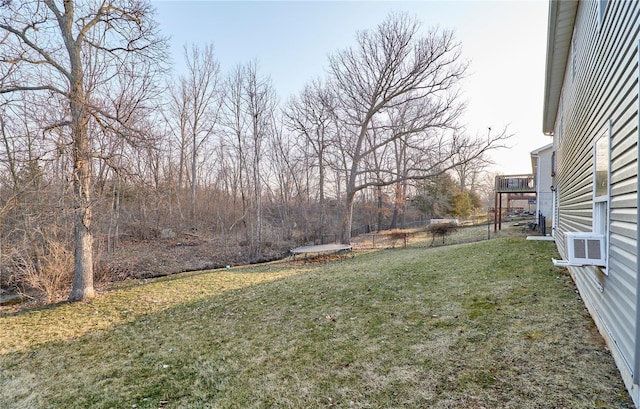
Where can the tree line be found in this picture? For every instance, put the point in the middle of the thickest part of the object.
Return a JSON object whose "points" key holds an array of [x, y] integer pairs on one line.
{"points": [[101, 143]]}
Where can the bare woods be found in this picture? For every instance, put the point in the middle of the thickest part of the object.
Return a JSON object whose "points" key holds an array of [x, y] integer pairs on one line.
{"points": [[103, 147]]}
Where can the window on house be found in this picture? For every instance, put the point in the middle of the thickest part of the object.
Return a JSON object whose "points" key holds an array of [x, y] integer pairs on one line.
{"points": [[602, 9], [601, 192], [601, 189]]}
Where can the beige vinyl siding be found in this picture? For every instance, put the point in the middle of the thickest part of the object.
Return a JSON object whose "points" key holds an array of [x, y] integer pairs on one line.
{"points": [[604, 87]]}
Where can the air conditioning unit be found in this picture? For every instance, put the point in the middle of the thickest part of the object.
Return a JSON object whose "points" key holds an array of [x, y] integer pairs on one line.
{"points": [[585, 248]]}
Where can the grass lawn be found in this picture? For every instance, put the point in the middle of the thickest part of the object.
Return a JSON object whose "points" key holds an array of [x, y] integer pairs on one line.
{"points": [[485, 325]]}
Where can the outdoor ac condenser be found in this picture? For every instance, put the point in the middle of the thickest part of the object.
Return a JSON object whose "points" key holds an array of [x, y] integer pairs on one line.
{"points": [[585, 248]]}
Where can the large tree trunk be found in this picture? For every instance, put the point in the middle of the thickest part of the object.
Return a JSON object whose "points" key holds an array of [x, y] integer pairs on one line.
{"points": [[83, 251], [379, 194], [82, 289], [394, 218], [347, 217]]}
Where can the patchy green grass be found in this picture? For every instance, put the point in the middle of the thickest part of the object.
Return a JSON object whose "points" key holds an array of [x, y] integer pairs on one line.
{"points": [[486, 325]]}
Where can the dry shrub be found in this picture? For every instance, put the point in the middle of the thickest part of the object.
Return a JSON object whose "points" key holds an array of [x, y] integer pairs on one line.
{"points": [[48, 274], [109, 271], [441, 230], [7, 276], [398, 235]]}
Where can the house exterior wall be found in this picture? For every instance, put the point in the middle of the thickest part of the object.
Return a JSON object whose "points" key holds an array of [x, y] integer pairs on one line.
{"points": [[600, 97], [544, 181]]}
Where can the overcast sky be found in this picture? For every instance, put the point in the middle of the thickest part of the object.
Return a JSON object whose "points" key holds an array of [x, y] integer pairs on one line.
{"points": [[504, 42]]}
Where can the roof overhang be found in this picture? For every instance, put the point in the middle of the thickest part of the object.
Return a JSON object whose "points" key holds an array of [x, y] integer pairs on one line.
{"points": [[562, 16], [538, 151], [535, 154]]}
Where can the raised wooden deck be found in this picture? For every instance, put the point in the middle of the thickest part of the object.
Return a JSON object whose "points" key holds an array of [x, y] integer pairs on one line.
{"points": [[516, 187], [515, 184]]}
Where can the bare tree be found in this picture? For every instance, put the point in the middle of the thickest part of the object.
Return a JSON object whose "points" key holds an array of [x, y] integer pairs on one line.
{"points": [[468, 164], [286, 189], [390, 67], [203, 92], [70, 54], [311, 116], [192, 115], [236, 124], [250, 103], [261, 103], [400, 149], [176, 118]]}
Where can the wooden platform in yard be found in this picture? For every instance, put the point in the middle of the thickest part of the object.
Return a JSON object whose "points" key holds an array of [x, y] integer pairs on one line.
{"points": [[320, 248]]}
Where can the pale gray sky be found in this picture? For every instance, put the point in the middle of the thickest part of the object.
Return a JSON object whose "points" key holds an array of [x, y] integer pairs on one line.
{"points": [[504, 41]]}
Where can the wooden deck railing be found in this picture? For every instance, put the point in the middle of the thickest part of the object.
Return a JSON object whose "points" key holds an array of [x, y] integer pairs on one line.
{"points": [[515, 184]]}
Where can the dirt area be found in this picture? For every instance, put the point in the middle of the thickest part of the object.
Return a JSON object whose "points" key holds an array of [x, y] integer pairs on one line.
{"points": [[153, 258]]}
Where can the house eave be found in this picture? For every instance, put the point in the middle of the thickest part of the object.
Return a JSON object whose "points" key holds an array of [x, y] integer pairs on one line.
{"points": [[562, 15], [541, 149]]}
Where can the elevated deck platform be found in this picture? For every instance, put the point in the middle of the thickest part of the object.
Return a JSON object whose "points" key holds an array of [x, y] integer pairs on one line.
{"points": [[515, 184], [516, 187]]}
